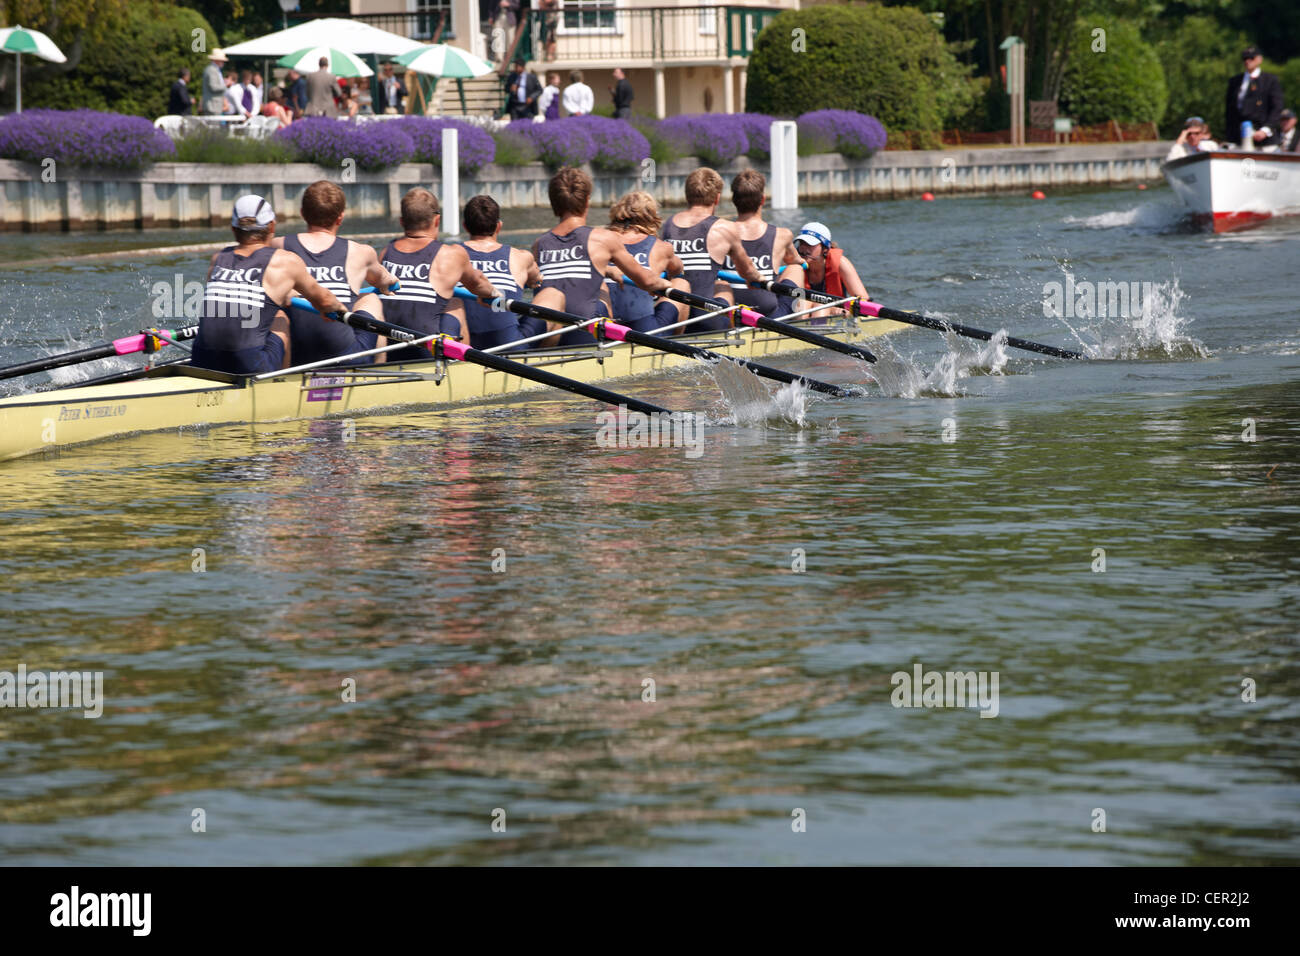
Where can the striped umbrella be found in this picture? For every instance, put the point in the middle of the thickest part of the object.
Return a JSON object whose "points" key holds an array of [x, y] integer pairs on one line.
{"points": [[439, 59], [341, 62], [20, 40]]}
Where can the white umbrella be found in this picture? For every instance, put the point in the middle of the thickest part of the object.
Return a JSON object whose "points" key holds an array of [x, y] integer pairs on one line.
{"points": [[341, 63], [351, 36], [20, 40], [439, 59]]}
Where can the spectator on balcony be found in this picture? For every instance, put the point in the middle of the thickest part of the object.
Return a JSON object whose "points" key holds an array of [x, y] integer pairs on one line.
{"points": [[391, 90], [549, 102], [258, 94], [550, 20], [578, 98], [522, 92], [622, 93], [295, 93], [179, 102], [276, 109]]}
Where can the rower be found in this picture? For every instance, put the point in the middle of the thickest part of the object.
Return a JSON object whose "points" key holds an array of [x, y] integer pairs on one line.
{"points": [[343, 267], [243, 329], [827, 269], [428, 271], [509, 270], [769, 246], [703, 242], [573, 258], [635, 218]]}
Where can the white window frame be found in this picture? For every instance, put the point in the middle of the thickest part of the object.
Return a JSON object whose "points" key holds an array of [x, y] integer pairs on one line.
{"points": [[708, 18], [413, 6], [596, 6]]}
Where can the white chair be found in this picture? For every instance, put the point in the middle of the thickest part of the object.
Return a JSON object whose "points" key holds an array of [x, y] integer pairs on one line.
{"points": [[171, 125]]}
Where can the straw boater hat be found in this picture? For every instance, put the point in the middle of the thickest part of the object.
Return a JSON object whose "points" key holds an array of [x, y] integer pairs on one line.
{"points": [[218, 55]]}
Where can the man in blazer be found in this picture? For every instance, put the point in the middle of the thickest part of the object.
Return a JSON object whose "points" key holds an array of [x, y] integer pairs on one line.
{"points": [[522, 91], [179, 101], [1255, 96]]}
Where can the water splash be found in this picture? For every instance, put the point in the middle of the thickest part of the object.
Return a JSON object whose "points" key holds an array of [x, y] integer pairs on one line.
{"points": [[1157, 331], [749, 402], [904, 376], [1149, 218]]}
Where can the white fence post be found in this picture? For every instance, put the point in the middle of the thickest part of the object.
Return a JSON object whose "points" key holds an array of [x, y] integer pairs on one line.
{"points": [[451, 181], [785, 165]]}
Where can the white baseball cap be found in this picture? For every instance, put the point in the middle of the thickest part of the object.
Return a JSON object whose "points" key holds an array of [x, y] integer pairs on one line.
{"points": [[252, 207], [814, 234]]}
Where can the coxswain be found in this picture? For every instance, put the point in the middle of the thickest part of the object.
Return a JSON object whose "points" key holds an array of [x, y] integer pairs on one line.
{"points": [[635, 218], [427, 271], [342, 266], [244, 329], [826, 268], [770, 247], [509, 270], [704, 242], [574, 256]]}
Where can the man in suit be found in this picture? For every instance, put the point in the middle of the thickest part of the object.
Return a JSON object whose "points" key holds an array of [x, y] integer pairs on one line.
{"points": [[214, 85], [622, 93], [522, 91], [1288, 140], [1255, 96], [322, 89], [179, 101], [391, 91]]}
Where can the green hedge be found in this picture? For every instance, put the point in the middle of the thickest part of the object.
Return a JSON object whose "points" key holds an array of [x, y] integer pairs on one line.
{"points": [[888, 62], [128, 66], [1126, 83]]}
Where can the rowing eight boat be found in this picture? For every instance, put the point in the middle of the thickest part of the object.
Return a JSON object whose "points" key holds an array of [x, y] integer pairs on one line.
{"points": [[178, 396]]}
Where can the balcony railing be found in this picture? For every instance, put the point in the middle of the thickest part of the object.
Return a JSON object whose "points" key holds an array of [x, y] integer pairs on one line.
{"points": [[599, 30]]}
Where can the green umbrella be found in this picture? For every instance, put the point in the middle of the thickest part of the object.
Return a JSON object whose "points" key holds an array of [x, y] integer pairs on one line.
{"points": [[439, 59], [341, 63], [20, 40]]}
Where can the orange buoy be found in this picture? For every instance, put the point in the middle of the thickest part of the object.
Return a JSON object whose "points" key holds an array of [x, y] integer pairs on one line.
{"points": [[927, 197], [1142, 185], [1038, 194]]}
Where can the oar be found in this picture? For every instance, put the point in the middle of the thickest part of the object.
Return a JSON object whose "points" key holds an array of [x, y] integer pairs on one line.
{"points": [[148, 341], [911, 318], [623, 333], [450, 348], [750, 317]]}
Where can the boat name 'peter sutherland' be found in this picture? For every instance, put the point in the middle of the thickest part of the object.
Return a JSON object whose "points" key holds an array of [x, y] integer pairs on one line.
{"points": [[70, 413]]}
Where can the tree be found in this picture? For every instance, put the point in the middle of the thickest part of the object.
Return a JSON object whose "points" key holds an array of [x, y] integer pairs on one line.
{"points": [[1125, 82], [1198, 58]]}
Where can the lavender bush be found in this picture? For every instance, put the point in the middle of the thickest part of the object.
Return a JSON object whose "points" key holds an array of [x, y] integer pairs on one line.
{"points": [[328, 142], [83, 138], [619, 147], [716, 138], [853, 135], [758, 130], [558, 142], [477, 148]]}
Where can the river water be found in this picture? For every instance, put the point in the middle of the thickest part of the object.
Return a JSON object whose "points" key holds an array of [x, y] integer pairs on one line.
{"points": [[1115, 539]]}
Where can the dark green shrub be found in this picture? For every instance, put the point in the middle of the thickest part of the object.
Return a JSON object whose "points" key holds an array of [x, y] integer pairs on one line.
{"points": [[888, 62], [1126, 83], [1198, 58]]}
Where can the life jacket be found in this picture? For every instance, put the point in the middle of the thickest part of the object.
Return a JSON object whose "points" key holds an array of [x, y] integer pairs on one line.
{"points": [[831, 283]]}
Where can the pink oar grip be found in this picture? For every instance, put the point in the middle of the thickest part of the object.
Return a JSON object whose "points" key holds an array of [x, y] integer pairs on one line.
{"points": [[749, 317], [130, 344], [616, 331], [869, 308], [453, 349]]}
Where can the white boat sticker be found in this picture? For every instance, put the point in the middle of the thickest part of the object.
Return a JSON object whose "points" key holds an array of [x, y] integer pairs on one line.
{"points": [[319, 393]]}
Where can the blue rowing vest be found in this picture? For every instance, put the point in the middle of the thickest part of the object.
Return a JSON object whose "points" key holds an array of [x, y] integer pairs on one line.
{"points": [[489, 328], [313, 338], [700, 269], [760, 252], [634, 307], [417, 305], [235, 327], [565, 264]]}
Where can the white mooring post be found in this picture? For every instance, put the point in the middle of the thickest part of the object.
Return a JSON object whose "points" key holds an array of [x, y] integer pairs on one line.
{"points": [[785, 165], [451, 181]]}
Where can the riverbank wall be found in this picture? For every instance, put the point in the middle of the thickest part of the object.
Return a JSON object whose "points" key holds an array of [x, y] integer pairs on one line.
{"points": [[39, 198]]}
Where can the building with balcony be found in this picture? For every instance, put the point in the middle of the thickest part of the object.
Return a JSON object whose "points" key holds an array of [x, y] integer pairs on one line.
{"points": [[687, 57]]}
